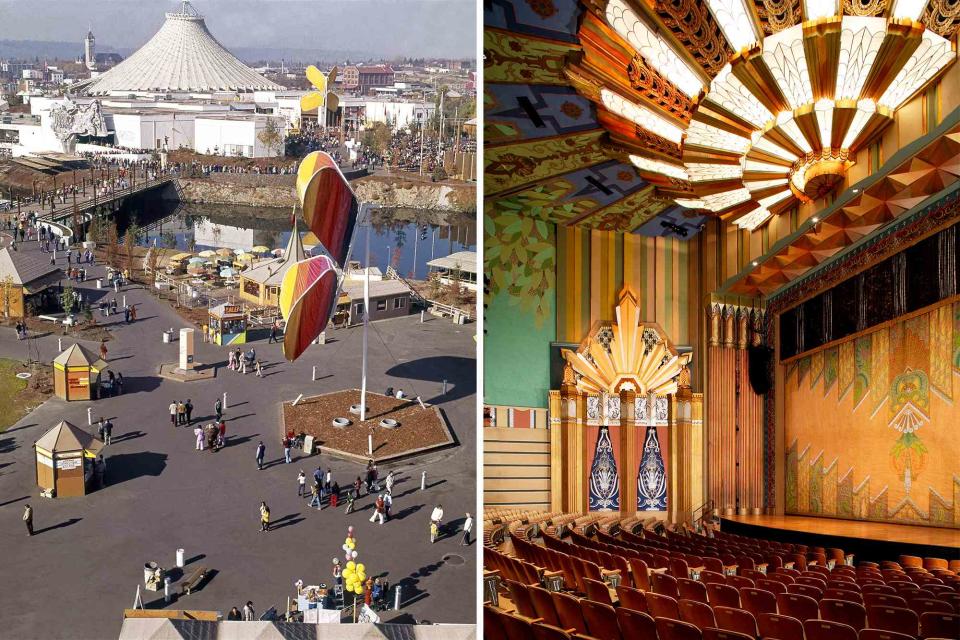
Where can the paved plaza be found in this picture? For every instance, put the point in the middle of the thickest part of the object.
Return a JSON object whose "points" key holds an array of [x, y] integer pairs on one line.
{"points": [[74, 578]]}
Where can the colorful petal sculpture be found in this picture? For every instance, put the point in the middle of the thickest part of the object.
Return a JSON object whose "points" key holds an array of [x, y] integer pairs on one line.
{"points": [[307, 299], [329, 205]]}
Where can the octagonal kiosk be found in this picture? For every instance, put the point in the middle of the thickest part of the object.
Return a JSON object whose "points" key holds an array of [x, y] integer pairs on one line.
{"points": [[77, 374], [66, 455]]}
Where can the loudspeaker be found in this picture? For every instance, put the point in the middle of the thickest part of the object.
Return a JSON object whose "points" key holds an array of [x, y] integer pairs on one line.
{"points": [[759, 363]]}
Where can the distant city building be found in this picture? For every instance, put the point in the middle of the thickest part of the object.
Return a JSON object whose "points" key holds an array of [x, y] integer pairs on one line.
{"points": [[89, 51], [363, 78]]}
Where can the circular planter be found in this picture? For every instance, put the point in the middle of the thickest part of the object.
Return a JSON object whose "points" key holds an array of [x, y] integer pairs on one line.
{"points": [[341, 423], [355, 409], [389, 423]]}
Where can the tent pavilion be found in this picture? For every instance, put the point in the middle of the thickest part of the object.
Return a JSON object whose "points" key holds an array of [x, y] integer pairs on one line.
{"points": [[65, 459], [261, 283], [76, 374]]}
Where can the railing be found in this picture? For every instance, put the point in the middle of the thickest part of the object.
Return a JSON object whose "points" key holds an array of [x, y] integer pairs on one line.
{"points": [[449, 309], [65, 210], [703, 512]]}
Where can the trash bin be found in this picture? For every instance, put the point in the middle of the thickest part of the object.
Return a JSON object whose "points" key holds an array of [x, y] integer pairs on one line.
{"points": [[148, 569], [180, 558], [166, 337], [99, 283]]}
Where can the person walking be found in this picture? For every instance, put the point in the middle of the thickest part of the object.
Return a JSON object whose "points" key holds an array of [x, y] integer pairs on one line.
{"points": [[334, 494], [261, 451], [173, 413], [234, 615], [188, 407], [301, 483], [467, 528], [100, 429], [119, 383], [222, 434], [199, 433], [286, 450], [28, 518], [259, 368], [107, 432], [318, 476], [230, 360], [356, 487], [378, 509], [273, 333], [264, 517], [181, 413], [389, 482], [328, 480], [103, 349], [218, 408], [436, 518], [315, 497], [387, 505], [248, 613]]}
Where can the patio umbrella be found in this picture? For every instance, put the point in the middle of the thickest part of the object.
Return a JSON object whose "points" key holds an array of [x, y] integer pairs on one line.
{"points": [[239, 252], [260, 249], [208, 253], [228, 272], [197, 260], [180, 256], [329, 205], [196, 269], [307, 299], [226, 253]]}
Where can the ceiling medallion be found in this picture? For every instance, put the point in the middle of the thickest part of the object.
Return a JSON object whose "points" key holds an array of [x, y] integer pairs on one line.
{"points": [[817, 175]]}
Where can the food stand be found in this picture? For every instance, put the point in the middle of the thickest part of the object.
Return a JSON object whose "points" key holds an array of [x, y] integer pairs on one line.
{"points": [[227, 325], [77, 374], [66, 459]]}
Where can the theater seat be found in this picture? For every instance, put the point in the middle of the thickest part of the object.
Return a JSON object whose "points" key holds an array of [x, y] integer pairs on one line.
{"points": [[722, 595], [521, 599], [828, 630], [736, 620], [540, 632], [696, 613], [848, 613], [632, 598], [544, 607], [597, 591], [601, 620], [665, 585], [692, 590], [797, 606], [661, 606], [668, 629], [780, 627], [883, 600], [894, 619], [880, 634], [940, 625], [921, 606], [635, 624], [758, 601], [723, 634], [568, 609]]}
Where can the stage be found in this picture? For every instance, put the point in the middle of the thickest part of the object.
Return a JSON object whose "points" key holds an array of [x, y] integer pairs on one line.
{"points": [[872, 541]]}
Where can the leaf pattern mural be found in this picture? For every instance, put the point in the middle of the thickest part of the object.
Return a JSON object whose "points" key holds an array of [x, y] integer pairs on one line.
{"points": [[520, 260]]}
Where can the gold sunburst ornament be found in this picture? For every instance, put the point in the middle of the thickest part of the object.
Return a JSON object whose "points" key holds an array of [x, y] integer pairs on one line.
{"points": [[322, 95]]}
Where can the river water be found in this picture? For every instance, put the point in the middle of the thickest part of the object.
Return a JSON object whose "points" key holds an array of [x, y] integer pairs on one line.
{"points": [[395, 240]]}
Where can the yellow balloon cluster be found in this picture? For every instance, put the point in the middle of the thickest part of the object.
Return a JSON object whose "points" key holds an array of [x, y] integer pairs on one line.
{"points": [[350, 542], [354, 575]]}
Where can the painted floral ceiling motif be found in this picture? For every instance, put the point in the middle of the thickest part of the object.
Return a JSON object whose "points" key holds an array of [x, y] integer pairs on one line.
{"points": [[739, 109]]}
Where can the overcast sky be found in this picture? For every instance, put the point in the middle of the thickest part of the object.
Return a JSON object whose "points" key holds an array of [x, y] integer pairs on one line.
{"points": [[443, 28]]}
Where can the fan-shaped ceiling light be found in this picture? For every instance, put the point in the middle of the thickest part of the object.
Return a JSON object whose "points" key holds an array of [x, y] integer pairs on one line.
{"points": [[781, 121]]}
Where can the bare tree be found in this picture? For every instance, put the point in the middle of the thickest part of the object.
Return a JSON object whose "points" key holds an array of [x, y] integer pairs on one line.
{"points": [[271, 136]]}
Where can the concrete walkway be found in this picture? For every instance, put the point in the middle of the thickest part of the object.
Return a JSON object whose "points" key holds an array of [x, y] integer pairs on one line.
{"points": [[74, 578]]}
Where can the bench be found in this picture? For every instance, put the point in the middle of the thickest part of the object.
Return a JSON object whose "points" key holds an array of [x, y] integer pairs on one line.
{"points": [[191, 583]]}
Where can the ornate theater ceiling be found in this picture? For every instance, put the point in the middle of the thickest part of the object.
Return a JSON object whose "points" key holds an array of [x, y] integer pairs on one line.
{"points": [[648, 115]]}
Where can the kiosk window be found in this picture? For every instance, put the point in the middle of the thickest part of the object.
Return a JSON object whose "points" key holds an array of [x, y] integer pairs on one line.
{"points": [[381, 305]]}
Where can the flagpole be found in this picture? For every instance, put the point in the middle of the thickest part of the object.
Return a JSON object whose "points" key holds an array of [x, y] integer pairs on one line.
{"points": [[366, 324]]}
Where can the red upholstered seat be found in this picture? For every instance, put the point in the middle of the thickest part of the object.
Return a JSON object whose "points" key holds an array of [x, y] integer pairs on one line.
{"points": [[664, 585], [772, 586], [813, 582], [568, 609], [736, 620], [848, 613], [828, 630], [515, 628], [713, 564], [893, 619], [640, 573], [802, 608], [601, 620], [779, 576], [697, 613], [883, 600], [806, 590], [669, 629], [540, 632], [491, 622], [880, 634], [707, 577], [543, 606], [877, 588], [722, 595], [780, 627], [758, 601], [692, 590], [679, 568], [921, 606], [635, 624], [597, 591], [632, 598], [723, 634], [842, 594], [661, 606], [521, 599], [940, 625]]}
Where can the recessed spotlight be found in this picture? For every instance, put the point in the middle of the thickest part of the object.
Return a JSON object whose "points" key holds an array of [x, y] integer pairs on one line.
{"points": [[754, 263], [815, 219], [856, 190]]}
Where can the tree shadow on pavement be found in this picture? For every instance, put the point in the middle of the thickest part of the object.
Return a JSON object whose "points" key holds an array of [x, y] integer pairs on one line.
{"points": [[130, 466]]}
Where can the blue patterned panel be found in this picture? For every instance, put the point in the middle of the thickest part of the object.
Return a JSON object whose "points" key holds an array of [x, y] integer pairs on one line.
{"points": [[651, 476], [555, 110], [604, 479], [678, 217], [554, 19]]}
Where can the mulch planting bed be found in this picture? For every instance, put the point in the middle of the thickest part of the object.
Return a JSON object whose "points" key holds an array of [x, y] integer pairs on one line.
{"points": [[419, 428]]}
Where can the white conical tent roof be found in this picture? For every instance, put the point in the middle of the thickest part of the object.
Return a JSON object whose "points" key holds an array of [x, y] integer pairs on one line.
{"points": [[183, 56]]}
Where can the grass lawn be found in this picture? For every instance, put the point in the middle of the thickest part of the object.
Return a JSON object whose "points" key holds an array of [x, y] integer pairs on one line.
{"points": [[19, 397]]}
